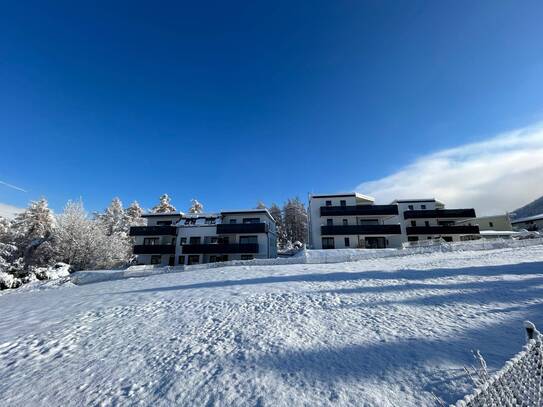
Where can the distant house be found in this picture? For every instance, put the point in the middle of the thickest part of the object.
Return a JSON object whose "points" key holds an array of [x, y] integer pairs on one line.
{"points": [[492, 227], [183, 239], [352, 220], [531, 223]]}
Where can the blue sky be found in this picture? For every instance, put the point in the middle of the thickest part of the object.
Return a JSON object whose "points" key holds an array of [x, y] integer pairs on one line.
{"points": [[235, 102]]}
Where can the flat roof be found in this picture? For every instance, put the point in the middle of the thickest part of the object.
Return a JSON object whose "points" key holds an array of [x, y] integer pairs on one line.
{"points": [[341, 194], [528, 218], [148, 215], [417, 200]]}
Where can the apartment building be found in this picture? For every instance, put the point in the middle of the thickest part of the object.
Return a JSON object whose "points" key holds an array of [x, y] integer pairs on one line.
{"points": [[185, 239], [424, 219], [352, 220]]}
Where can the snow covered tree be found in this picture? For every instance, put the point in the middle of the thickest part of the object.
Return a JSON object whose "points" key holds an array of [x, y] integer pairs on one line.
{"points": [[134, 212], [84, 243], [196, 207], [114, 219], [32, 230], [277, 215], [260, 205], [164, 206], [295, 221]]}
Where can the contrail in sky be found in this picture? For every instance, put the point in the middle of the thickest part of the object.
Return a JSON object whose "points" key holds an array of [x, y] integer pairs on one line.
{"points": [[13, 186]]}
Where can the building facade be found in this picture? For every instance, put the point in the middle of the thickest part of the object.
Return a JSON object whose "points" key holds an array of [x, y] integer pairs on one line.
{"points": [[185, 239], [530, 223], [352, 220]]}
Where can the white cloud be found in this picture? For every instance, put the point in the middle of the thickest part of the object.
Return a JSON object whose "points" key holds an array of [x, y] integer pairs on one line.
{"points": [[497, 175], [9, 211]]}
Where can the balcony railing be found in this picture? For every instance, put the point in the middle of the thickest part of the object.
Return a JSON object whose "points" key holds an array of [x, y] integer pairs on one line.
{"points": [[232, 228], [440, 213], [442, 230], [153, 230], [361, 230], [220, 248], [154, 249], [359, 210]]}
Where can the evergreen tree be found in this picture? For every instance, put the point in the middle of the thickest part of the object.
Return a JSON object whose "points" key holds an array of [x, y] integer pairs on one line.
{"points": [[164, 206], [114, 219], [32, 229], [277, 215], [196, 207], [295, 220], [134, 212]]}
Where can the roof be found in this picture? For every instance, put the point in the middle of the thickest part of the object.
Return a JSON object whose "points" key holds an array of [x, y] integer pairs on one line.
{"points": [[527, 219], [149, 215], [417, 200], [262, 210], [344, 194]]}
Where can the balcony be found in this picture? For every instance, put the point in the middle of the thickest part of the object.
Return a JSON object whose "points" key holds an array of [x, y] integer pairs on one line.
{"points": [[220, 248], [440, 213], [359, 210], [361, 230], [442, 230], [154, 249], [233, 228], [153, 231]]}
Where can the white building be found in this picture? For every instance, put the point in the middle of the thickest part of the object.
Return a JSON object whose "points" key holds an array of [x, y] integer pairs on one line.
{"points": [[352, 220], [179, 239], [424, 219], [530, 223]]}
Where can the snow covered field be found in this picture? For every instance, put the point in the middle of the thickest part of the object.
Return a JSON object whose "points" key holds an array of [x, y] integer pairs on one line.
{"points": [[384, 332]]}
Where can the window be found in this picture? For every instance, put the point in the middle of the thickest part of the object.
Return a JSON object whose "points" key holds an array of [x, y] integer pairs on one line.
{"points": [[155, 259], [171, 261], [195, 239], [329, 222], [173, 241], [248, 239], [213, 259], [423, 207], [343, 202], [183, 241], [491, 224], [247, 257], [426, 223], [150, 241], [233, 221], [347, 242], [413, 223], [191, 221], [429, 238], [447, 238], [210, 221], [412, 238], [345, 222], [328, 203], [181, 260], [251, 220], [411, 207], [211, 239], [163, 222], [328, 243], [194, 259]]}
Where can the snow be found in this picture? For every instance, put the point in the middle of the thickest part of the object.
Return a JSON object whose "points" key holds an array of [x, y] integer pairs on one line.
{"points": [[383, 331]]}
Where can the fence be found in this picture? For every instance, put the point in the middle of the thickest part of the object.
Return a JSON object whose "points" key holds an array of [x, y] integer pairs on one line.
{"points": [[518, 383]]}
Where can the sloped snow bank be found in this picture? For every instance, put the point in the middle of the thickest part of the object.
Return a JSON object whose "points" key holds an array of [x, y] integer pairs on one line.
{"points": [[302, 257]]}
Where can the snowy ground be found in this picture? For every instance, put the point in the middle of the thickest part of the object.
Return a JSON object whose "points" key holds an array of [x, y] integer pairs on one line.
{"points": [[383, 332]]}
